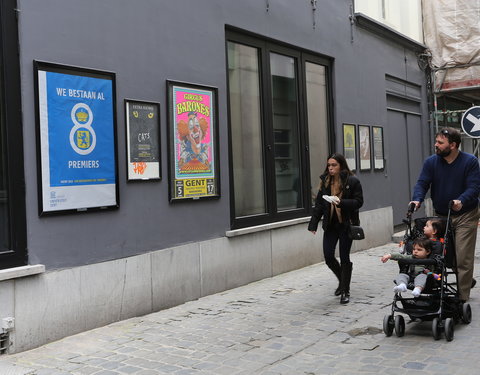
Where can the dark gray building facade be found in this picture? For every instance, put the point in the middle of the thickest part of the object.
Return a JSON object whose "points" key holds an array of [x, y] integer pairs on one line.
{"points": [[290, 82]]}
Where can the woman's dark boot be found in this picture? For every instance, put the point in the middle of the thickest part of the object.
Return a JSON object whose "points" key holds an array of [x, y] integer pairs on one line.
{"points": [[346, 270], [336, 269]]}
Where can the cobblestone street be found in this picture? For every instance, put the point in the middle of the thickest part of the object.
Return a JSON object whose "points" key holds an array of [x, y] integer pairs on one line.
{"points": [[289, 324]]}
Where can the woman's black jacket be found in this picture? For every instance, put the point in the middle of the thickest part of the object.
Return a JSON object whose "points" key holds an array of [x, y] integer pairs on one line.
{"points": [[351, 201]]}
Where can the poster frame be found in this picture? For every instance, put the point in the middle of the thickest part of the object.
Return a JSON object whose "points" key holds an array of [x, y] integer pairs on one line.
{"points": [[131, 177], [378, 163], [213, 181], [365, 162], [42, 128], [349, 129]]}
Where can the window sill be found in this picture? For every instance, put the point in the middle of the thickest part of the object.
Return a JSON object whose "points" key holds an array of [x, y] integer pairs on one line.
{"points": [[17, 272], [265, 227]]}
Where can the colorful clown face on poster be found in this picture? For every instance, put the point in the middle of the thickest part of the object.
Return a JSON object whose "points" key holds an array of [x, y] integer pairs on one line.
{"points": [[193, 142]]}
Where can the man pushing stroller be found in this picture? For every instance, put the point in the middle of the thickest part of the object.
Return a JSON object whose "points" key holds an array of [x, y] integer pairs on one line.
{"points": [[454, 176]]}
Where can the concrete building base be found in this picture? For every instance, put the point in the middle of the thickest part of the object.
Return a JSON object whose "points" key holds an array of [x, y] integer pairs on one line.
{"points": [[53, 304]]}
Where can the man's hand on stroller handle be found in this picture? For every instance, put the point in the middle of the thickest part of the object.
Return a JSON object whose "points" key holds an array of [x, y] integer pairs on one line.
{"points": [[456, 205], [414, 206]]}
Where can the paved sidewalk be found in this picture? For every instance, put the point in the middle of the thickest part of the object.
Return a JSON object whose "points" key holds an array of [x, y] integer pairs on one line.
{"points": [[289, 324]]}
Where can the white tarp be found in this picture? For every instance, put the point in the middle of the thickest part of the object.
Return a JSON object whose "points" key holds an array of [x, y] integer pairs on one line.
{"points": [[452, 34]]}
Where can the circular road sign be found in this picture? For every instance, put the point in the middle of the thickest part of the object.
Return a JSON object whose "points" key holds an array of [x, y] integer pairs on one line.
{"points": [[471, 122]]}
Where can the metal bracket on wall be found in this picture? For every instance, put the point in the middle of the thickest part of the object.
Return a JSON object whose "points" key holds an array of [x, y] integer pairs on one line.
{"points": [[268, 5], [351, 17], [314, 8]]}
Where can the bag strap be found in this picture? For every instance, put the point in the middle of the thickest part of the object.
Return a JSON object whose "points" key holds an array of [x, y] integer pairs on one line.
{"points": [[355, 218]]}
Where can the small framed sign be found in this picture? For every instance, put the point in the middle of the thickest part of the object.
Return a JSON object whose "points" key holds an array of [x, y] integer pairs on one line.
{"points": [[143, 140], [193, 141], [76, 138], [349, 145], [364, 147], [378, 153]]}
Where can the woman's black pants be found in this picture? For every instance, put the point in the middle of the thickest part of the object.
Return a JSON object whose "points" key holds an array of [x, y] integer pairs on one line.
{"points": [[330, 239]]}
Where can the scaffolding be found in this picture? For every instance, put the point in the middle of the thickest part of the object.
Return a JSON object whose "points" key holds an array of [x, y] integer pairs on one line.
{"points": [[452, 117], [452, 62]]}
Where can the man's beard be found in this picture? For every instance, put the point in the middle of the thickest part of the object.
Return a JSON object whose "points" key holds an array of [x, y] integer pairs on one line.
{"points": [[443, 153]]}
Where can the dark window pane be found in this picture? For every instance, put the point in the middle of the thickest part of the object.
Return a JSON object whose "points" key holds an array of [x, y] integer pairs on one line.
{"points": [[4, 222], [317, 122], [246, 130], [285, 125]]}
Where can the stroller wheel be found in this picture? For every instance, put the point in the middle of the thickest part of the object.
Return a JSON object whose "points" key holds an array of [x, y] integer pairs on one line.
{"points": [[399, 326], [466, 313], [436, 328], [388, 325], [449, 329]]}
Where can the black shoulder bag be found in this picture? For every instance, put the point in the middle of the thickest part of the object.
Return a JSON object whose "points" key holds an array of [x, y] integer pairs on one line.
{"points": [[355, 232]]}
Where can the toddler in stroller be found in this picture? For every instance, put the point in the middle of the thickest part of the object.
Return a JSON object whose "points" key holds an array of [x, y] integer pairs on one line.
{"points": [[422, 248], [434, 230]]}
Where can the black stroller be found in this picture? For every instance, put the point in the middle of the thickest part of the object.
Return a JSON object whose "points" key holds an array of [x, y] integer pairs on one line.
{"points": [[439, 301]]}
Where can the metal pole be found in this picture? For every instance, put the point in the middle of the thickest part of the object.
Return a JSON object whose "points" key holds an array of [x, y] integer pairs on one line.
{"points": [[435, 109]]}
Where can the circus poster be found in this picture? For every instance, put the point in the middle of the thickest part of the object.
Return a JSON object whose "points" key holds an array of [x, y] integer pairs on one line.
{"points": [[193, 129]]}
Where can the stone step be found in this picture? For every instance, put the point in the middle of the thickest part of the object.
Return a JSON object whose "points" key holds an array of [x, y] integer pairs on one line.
{"points": [[398, 237]]}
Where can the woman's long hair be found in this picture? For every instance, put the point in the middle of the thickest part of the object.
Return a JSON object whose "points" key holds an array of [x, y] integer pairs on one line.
{"points": [[342, 161], [343, 168]]}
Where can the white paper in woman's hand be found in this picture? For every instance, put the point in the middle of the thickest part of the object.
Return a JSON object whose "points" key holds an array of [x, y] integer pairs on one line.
{"points": [[331, 199]]}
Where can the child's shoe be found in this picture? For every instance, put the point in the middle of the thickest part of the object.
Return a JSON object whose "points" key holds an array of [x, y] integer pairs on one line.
{"points": [[416, 292], [400, 288]]}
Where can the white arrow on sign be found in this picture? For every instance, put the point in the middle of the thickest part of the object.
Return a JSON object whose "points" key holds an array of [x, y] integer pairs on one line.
{"points": [[475, 121]]}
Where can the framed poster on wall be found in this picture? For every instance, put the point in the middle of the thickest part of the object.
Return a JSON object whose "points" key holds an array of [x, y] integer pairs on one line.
{"points": [[349, 145], [193, 141], [378, 154], [142, 121], [76, 138], [364, 147]]}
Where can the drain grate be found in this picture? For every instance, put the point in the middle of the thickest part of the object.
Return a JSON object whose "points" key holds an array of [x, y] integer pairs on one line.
{"points": [[3, 343]]}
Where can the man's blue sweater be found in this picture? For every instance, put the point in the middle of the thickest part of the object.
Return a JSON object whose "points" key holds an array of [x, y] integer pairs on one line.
{"points": [[458, 180]]}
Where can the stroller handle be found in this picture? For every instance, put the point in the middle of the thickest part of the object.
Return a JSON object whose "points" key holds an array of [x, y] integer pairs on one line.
{"points": [[411, 208]]}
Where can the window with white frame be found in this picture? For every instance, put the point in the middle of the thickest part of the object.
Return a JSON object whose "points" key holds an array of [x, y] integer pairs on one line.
{"points": [[404, 16]]}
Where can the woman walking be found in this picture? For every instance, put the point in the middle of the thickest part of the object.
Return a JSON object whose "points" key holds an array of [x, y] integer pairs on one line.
{"points": [[343, 197]]}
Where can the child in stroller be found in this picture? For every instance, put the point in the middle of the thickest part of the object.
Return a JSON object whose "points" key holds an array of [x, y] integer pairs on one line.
{"points": [[434, 230], [422, 248], [439, 300]]}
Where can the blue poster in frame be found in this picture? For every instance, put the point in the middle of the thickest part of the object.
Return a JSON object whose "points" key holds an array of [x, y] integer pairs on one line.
{"points": [[77, 138]]}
